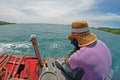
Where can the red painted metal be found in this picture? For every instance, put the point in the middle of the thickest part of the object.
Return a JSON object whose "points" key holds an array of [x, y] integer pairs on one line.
{"points": [[27, 67]]}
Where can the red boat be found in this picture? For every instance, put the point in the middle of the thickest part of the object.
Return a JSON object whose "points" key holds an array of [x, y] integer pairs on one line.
{"points": [[34, 68], [19, 67]]}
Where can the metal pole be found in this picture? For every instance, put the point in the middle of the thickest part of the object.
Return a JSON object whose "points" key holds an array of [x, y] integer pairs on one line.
{"points": [[35, 46]]}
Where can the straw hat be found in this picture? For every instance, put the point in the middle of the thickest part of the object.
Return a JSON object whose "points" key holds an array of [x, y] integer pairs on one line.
{"points": [[81, 33]]}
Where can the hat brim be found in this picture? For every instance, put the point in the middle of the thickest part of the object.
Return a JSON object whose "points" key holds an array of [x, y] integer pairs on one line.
{"points": [[83, 40]]}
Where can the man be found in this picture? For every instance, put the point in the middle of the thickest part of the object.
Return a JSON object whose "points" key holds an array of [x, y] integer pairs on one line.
{"points": [[91, 56]]}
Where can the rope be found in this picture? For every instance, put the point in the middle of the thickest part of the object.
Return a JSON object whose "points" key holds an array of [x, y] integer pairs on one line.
{"points": [[3, 54], [4, 72], [4, 63], [11, 69], [6, 55], [18, 66]]}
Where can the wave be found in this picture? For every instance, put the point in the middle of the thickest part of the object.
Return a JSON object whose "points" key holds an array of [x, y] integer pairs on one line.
{"points": [[15, 47], [54, 45]]}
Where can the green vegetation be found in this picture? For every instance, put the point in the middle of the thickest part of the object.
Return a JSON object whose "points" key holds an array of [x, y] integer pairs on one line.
{"points": [[5, 23], [112, 30]]}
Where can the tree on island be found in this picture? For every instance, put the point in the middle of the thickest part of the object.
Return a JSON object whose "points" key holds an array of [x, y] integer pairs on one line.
{"points": [[5, 23]]}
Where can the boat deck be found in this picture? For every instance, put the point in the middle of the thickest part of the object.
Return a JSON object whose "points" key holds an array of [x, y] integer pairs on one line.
{"points": [[27, 68], [49, 71]]}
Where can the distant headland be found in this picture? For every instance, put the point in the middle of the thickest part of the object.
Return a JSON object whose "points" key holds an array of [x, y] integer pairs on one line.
{"points": [[111, 30], [5, 23]]}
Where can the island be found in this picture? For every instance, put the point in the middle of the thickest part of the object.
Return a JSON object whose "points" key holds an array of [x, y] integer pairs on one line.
{"points": [[5, 23], [112, 30]]}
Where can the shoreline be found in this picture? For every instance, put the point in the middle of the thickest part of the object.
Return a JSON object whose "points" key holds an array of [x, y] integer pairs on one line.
{"points": [[111, 30], [5, 23]]}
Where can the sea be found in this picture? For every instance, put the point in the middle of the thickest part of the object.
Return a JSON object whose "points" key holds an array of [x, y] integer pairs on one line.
{"points": [[52, 40]]}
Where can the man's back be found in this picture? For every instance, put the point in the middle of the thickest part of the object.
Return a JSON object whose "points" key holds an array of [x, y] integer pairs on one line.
{"points": [[95, 59]]}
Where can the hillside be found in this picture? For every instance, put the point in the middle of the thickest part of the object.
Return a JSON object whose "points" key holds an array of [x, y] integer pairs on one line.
{"points": [[5, 23], [112, 30]]}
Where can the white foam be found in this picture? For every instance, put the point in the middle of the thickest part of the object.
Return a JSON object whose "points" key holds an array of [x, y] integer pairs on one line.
{"points": [[54, 45], [22, 45], [15, 45]]}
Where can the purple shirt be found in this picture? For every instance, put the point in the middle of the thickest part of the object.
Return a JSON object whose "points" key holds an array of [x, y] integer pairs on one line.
{"points": [[95, 59]]}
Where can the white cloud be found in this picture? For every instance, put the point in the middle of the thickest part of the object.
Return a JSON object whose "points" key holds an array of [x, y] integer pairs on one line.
{"points": [[42, 9], [48, 9], [53, 11], [5, 10], [106, 17], [98, 20]]}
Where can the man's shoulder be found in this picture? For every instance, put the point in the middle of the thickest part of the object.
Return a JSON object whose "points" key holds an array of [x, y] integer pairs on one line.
{"points": [[100, 42]]}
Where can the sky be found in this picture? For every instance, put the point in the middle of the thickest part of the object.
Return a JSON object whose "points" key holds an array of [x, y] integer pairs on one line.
{"points": [[97, 13]]}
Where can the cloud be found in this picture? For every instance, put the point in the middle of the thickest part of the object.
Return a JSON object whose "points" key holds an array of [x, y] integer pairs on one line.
{"points": [[58, 8], [105, 20], [54, 11], [39, 9], [8, 11], [106, 17]]}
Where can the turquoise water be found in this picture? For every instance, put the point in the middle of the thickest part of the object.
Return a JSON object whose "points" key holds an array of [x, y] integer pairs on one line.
{"points": [[51, 39]]}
